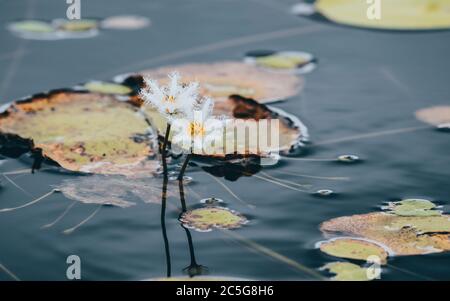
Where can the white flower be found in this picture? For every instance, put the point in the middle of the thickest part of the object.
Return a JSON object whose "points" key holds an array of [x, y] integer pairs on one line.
{"points": [[172, 101], [199, 133]]}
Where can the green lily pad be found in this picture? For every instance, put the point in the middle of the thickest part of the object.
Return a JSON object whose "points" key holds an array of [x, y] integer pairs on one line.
{"points": [[353, 249], [85, 132], [32, 26], [413, 207], [346, 271], [209, 218], [107, 88]]}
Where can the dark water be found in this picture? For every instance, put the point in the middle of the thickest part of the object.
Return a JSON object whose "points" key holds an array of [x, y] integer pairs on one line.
{"points": [[367, 81]]}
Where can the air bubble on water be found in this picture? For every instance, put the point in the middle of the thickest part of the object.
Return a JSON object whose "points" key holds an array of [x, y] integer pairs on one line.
{"points": [[186, 179], [324, 192], [212, 201]]}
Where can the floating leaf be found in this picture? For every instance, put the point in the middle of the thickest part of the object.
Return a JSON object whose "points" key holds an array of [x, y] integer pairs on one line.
{"points": [[353, 249], [220, 80], [32, 26], [423, 224], [114, 190], [107, 88], [395, 14], [285, 61], [209, 218], [125, 22], [413, 207], [85, 132], [346, 271], [76, 25], [434, 115], [403, 235]]}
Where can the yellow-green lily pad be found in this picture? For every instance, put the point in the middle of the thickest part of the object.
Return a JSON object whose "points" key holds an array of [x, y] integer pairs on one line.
{"points": [[394, 14], [32, 26], [404, 235], [87, 132], [413, 207], [346, 271], [353, 249], [107, 88], [209, 218], [77, 25]]}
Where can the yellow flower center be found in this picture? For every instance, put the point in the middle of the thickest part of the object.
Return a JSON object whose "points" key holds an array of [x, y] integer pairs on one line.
{"points": [[170, 98], [196, 129]]}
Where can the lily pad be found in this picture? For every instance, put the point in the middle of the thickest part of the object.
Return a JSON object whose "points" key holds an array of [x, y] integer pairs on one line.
{"points": [[353, 249], [209, 218], [434, 115], [404, 235], [395, 14], [85, 132], [125, 22], [76, 25], [346, 271], [220, 80], [413, 207], [107, 88], [114, 190], [32, 26], [284, 61]]}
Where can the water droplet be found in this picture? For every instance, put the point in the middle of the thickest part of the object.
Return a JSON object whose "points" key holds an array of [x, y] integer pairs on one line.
{"points": [[324, 192], [348, 158], [186, 179], [211, 201]]}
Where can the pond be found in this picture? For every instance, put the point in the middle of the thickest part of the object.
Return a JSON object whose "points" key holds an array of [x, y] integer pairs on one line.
{"points": [[360, 100]]}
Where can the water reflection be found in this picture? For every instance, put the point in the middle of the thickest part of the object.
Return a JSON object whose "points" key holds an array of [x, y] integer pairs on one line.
{"points": [[194, 269]]}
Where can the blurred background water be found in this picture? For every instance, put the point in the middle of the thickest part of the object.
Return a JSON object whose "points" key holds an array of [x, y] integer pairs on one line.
{"points": [[366, 81]]}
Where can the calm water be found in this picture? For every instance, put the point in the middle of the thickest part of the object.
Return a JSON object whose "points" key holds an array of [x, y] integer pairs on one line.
{"points": [[367, 81]]}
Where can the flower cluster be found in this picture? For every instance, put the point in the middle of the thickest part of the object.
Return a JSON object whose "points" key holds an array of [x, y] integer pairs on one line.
{"points": [[195, 129]]}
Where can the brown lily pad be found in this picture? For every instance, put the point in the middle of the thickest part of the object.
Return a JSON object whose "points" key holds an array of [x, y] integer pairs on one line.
{"points": [[86, 132], [222, 79]]}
